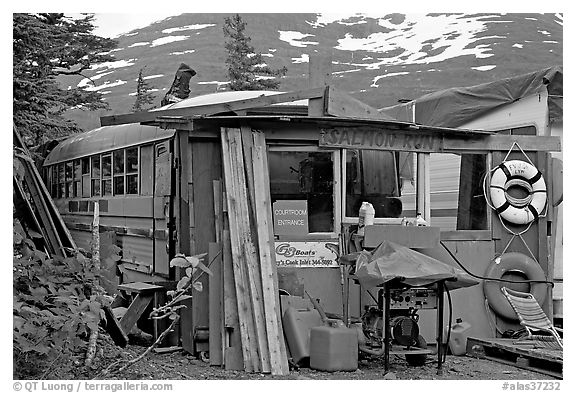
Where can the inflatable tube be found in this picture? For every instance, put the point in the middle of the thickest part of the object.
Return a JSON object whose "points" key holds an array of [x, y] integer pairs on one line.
{"points": [[512, 262], [517, 173]]}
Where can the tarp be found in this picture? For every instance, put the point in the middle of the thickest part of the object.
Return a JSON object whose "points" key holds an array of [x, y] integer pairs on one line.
{"points": [[460, 105], [391, 261]]}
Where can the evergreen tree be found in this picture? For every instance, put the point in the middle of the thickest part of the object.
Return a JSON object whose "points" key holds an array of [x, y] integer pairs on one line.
{"points": [[144, 98], [46, 46], [246, 69]]}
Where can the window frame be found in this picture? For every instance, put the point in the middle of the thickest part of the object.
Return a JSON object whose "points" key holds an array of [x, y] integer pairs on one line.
{"points": [[336, 187], [354, 220]]}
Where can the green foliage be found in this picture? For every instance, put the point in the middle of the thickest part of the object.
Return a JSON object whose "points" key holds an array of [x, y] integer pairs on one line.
{"points": [[44, 47], [56, 302], [144, 98], [246, 68]]}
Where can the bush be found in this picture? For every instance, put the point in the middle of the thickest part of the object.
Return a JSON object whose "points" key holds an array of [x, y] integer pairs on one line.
{"points": [[56, 303]]}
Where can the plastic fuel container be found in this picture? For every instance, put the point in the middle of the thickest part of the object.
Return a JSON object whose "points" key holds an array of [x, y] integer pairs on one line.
{"points": [[459, 336], [297, 325], [333, 348]]}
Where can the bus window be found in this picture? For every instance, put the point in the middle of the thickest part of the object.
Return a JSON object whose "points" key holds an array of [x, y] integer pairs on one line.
{"points": [[95, 175], [119, 172], [107, 174], [61, 185], [86, 177], [77, 178], [69, 190], [132, 170]]}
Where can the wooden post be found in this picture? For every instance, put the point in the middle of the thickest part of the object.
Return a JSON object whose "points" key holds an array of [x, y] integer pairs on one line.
{"points": [[274, 333], [423, 186], [233, 348], [215, 306], [320, 75], [96, 236]]}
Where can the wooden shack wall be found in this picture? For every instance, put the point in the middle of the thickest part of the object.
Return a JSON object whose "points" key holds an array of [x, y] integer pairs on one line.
{"points": [[205, 165]]}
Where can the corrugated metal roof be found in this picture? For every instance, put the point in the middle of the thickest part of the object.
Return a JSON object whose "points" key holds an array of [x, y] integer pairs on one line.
{"points": [[103, 139]]}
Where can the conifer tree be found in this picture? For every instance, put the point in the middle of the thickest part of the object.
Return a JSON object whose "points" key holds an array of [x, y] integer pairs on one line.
{"points": [[46, 47], [144, 97], [246, 68]]}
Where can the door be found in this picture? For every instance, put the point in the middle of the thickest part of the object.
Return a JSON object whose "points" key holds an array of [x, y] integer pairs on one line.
{"points": [[163, 207]]}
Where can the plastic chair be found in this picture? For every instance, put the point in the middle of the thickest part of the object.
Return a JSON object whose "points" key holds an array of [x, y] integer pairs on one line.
{"points": [[531, 315]]}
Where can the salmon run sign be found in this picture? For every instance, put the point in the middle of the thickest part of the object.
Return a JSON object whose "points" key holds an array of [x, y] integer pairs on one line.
{"points": [[381, 139]]}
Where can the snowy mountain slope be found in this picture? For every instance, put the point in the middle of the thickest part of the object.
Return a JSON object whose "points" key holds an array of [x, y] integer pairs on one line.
{"points": [[377, 59]]}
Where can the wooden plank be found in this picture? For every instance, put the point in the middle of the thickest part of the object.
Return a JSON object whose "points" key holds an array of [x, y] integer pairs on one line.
{"points": [[544, 257], [206, 167], [247, 145], [210, 109], [135, 311], [140, 287], [433, 141], [215, 306], [218, 209], [114, 328], [260, 140], [341, 104], [423, 185], [274, 332], [319, 75], [232, 340], [240, 245]]}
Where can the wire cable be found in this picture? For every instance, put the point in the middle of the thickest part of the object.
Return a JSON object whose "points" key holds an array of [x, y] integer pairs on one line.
{"points": [[488, 278]]}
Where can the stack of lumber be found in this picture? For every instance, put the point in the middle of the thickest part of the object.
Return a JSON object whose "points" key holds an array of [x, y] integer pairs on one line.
{"points": [[252, 338]]}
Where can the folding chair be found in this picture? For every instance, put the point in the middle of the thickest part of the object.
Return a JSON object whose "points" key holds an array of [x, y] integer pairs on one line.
{"points": [[531, 315]]}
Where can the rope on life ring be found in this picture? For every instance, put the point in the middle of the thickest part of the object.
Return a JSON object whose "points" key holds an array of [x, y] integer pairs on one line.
{"points": [[512, 262], [518, 173]]}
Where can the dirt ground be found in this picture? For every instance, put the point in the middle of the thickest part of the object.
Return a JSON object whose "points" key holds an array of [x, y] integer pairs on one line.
{"points": [[182, 366]]}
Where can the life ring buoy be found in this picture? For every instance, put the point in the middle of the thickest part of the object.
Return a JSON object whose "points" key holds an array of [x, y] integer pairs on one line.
{"points": [[517, 173], [512, 262]]}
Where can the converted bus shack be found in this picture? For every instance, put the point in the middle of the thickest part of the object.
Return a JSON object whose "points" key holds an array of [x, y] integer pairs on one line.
{"points": [[153, 174]]}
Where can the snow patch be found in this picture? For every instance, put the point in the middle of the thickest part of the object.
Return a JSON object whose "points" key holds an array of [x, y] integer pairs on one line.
{"points": [[139, 44], [168, 40], [105, 85], [182, 53], [484, 68], [294, 38], [376, 79], [518, 46], [186, 28], [404, 43], [153, 76], [544, 32], [345, 72], [114, 64], [304, 58]]}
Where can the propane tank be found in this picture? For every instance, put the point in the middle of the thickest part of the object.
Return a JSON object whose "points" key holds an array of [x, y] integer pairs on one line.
{"points": [[365, 216]]}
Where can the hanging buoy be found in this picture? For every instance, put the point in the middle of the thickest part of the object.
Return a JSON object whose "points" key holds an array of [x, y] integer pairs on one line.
{"points": [[512, 262], [520, 174]]}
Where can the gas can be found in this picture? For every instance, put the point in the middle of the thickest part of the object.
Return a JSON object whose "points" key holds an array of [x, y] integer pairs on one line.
{"points": [[297, 325], [365, 216], [459, 337], [333, 348]]}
